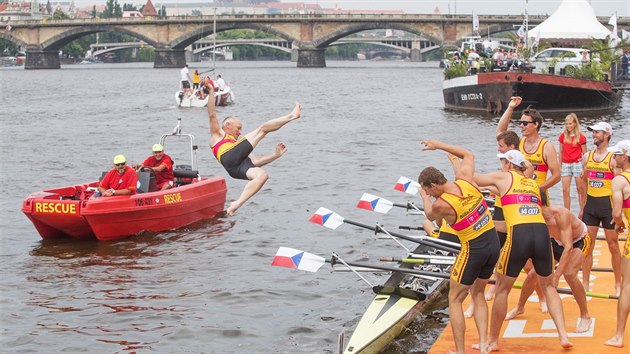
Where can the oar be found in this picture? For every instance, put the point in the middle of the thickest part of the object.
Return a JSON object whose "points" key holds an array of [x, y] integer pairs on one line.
{"points": [[602, 238], [207, 71], [417, 260], [519, 285], [407, 185], [382, 205], [332, 220], [605, 270], [417, 228], [296, 259]]}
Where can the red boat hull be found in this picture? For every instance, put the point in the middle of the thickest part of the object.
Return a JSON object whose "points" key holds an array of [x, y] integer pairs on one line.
{"points": [[491, 92], [72, 211]]}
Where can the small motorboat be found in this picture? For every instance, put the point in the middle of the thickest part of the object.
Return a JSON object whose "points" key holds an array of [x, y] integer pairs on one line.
{"points": [[221, 98], [78, 211]]}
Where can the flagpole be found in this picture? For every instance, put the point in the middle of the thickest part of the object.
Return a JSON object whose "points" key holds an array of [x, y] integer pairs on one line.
{"points": [[214, 39], [526, 29]]}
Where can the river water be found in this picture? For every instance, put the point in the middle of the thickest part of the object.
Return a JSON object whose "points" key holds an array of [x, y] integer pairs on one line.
{"points": [[210, 288]]}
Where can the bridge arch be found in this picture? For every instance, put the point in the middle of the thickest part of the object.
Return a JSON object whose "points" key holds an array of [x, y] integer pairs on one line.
{"points": [[189, 38], [345, 31], [7, 36], [58, 41], [211, 48]]}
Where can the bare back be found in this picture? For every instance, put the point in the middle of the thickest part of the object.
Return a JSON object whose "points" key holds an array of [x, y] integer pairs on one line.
{"points": [[559, 218]]}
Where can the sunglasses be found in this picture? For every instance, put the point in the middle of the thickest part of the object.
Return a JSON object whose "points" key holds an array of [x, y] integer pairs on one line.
{"points": [[120, 164], [524, 122]]}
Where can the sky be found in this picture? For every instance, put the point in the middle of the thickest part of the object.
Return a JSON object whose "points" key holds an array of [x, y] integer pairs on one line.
{"points": [[482, 7]]}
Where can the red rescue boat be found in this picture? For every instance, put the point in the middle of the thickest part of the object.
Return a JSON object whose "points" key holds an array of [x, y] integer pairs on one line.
{"points": [[77, 211]]}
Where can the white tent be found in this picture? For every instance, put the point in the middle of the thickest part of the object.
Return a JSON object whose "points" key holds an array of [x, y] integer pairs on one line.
{"points": [[574, 19]]}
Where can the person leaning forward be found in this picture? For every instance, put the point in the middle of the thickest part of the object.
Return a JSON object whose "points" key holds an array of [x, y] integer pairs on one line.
{"points": [[120, 180], [161, 164], [235, 152]]}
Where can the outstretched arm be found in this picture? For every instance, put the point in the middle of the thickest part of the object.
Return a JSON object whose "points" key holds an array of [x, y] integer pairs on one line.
{"points": [[467, 165], [263, 160], [215, 129], [504, 122], [488, 181]]}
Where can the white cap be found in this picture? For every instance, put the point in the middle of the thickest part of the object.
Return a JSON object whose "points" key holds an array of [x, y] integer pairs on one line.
{"points": [[602, 127], [514, 156], [622, 147]]}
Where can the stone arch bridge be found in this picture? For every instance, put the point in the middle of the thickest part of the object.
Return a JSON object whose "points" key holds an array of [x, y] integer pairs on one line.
{"points": [[414, 45], [311, 34]]}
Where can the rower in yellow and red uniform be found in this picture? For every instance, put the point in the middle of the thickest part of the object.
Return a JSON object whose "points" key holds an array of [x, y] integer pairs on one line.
{"points": [[236, 154], [528, 238], [537, 150], [597, 211], [621, 209], [464, 208]]}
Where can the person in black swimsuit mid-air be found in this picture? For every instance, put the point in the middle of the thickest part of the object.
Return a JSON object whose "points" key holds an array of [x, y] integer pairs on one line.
{"points": [[235, 154]]}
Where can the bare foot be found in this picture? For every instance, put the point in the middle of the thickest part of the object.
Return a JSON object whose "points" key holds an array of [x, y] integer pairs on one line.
{"points": [[543, 307], [490, 293], [470, 311], [232, 209], [584, 324], [566, 344], [478, 347], [297, 111], [615, 342], [514, 313]]}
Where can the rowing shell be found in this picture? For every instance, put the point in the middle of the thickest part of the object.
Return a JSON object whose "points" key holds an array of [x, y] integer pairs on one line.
{"points": [[389, 313]]}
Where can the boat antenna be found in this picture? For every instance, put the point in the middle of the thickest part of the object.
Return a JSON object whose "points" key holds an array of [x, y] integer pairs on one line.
{"points": [[214, 36], [178, 127]]}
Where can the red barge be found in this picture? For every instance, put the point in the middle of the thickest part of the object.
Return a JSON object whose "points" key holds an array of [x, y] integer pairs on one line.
{"points": [[77, 211], [491, 92]]}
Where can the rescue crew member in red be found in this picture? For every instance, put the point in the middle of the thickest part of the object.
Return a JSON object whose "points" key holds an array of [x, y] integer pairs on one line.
{"points": [[161, 164], [464, 208], [236, 154], [120, 180]]}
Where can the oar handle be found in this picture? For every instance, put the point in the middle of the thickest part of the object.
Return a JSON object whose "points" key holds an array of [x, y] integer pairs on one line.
{"points": [[403, 227], [519, 285]]}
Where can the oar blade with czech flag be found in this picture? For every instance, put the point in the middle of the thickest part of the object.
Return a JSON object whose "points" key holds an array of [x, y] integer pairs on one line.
{"points": [[406, 185], [296, 259], [375, 203], [327, 218]]}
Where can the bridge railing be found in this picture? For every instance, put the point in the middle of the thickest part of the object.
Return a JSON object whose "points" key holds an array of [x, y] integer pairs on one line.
{"points": [[279, 17]]}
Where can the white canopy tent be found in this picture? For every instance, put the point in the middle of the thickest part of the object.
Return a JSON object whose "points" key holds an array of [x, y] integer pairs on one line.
{"points": [[574, 19]]}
